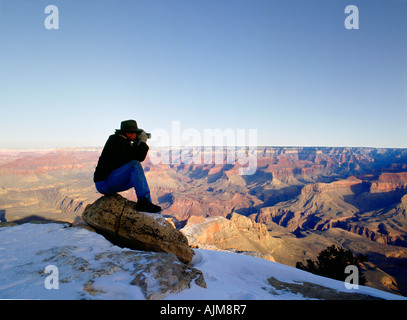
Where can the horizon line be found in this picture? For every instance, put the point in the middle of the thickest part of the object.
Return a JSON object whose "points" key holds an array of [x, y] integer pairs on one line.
{"points": [[23, 149]]}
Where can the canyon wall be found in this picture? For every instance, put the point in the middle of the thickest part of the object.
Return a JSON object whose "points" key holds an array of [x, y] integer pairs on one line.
{"points": [[305, 197]]}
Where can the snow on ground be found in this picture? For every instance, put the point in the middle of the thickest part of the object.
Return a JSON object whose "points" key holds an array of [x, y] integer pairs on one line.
{"points": [[27, 250]]}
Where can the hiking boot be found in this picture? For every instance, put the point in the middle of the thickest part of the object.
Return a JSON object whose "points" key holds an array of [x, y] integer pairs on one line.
{"points": [[145, 205]]}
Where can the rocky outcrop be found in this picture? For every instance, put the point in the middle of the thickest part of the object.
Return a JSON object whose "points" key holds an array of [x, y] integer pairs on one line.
{"points": [[115, 218], [390, 182], [169, 275], [315, 291], [156, 274], [238, 233]]}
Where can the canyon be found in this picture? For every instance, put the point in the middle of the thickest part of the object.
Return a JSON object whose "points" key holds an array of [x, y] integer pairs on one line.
{"points": [[299, 201]]}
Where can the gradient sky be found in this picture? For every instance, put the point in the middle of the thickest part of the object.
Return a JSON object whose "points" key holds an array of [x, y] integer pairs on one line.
{"points": [[287, 68]]}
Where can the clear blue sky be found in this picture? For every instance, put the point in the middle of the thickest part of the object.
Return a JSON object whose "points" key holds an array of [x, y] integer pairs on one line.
{"points": [[289, 69]]}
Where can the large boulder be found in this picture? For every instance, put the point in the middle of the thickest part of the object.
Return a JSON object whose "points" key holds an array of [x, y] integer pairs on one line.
{"points": [[117, 219]]}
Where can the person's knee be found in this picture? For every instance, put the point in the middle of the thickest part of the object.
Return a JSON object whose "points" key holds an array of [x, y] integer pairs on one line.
{"points": [[133, 163], [101, 188]]}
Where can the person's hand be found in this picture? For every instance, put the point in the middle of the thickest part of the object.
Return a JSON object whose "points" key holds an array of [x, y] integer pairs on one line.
{"points": [[142, 137]]}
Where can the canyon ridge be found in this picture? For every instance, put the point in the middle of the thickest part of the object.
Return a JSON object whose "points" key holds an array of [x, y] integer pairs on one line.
{"points": [[299, 201]]}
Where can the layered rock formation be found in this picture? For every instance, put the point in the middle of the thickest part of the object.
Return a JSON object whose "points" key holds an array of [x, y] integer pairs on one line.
{"points": [[237, 233], [368, 206], [307, 197]]}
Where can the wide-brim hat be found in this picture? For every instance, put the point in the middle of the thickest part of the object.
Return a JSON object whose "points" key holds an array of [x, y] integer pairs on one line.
{"points": [[130, 126]]}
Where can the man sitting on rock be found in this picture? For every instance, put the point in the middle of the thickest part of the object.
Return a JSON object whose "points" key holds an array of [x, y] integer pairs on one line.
{"points": [[119, 166]]}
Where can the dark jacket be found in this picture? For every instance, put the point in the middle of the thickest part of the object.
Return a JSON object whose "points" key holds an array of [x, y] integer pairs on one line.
{"points": [[118, 151]]}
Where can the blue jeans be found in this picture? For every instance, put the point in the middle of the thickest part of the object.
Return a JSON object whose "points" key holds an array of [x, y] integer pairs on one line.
{"points": [[130, 175]]}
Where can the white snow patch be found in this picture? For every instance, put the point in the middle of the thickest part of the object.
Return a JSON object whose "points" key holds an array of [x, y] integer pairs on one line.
{"points": [[26, 250]]}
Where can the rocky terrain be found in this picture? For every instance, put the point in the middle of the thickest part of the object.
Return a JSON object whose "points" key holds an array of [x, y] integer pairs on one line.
{"points": [[63, 262], [299, 201]]}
